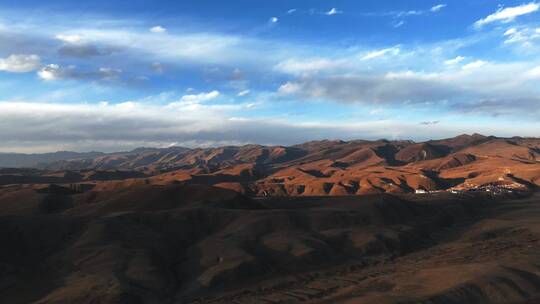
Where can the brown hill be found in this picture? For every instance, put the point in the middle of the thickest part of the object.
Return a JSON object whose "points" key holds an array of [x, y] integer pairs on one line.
{"points": [[422, 151], [327, 168]]}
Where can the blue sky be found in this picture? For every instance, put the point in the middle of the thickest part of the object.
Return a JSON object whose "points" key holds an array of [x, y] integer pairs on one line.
{"points": [[115, 75]]}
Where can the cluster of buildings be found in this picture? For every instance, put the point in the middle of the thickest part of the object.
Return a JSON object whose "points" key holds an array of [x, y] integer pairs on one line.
{"points": [[496, 189]]}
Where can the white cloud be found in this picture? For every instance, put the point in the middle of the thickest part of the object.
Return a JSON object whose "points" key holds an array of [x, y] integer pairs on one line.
{"points": [[69, 38], [397, 24], [403, 14], [454, 61], [49, 72], [20, 63], [274, 20], [408, 13], [508, 14], [514, 36], [243, 93], [474, 65], [437, 7], [381, 53], [365, 61], [291, 11], [510, 31], [534, 72], [333, 11], [290, 88], [158, 29], [523, 36], [311, 65], [198, 98]]}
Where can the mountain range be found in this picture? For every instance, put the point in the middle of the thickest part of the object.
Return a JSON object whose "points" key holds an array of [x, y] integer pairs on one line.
{"points": [[314, 168]]}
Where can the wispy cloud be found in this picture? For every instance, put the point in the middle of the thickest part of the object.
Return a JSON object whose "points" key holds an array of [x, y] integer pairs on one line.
{"points": [[343, 64], [508, 14], [243, 93], [525, 38], [198, 98], [158, 29], [69, 38], [438, 7], [410, 13], [381, 53], [474, 65], [454, 61], [309, 65], [333, 11], [398, 24], [407, 13]]}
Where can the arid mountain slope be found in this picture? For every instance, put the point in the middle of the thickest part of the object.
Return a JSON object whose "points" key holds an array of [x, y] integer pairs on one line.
{"points": [[321, 168]]}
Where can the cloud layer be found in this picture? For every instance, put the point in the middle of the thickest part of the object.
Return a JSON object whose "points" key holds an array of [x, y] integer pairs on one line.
{"points": [[130, 125]]}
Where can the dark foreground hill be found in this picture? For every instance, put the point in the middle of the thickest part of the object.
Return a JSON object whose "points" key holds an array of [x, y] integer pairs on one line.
{"points": [[138, 242]]}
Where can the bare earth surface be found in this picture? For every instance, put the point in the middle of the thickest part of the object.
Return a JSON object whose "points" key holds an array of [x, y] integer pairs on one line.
{"points": [[492, 258], [180, 243]]}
